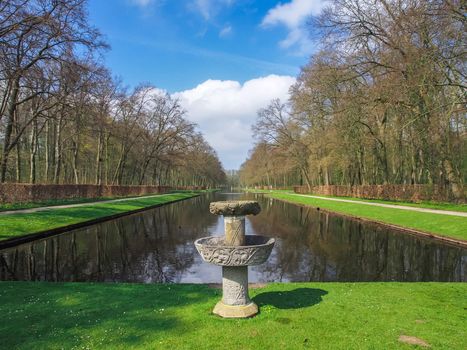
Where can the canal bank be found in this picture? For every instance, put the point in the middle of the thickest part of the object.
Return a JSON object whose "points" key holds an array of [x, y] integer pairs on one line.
{"points": [[445, 227], [27, 225]]}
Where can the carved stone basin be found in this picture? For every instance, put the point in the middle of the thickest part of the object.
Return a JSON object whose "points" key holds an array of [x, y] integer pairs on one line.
{"points": [[256, 251]]}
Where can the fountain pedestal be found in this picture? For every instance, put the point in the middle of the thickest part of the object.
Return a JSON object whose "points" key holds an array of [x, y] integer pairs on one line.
{"points": [[235, 252], [235, 299]]}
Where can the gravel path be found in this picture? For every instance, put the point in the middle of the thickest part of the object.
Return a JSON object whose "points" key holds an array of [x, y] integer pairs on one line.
{"points": [[393, 206], [35, 210]]}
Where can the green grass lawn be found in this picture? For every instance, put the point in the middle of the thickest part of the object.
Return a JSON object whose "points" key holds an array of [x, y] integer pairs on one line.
{"points": [[293, 316], [443, 225], [427, 205], [57, 202], [51, 203], [17, 224], [423, 204]]}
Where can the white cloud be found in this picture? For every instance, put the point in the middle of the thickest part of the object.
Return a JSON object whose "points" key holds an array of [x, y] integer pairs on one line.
{"points": [[226, 31], [226, 109], [209, 8], [293, 15]]}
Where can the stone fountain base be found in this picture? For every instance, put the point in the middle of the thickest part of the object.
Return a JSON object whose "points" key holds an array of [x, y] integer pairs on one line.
{"points": [[235, 301], [235, 311]]}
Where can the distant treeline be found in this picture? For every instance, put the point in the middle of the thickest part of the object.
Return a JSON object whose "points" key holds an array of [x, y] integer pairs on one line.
{"points": [[382, 102], [64, 119]]}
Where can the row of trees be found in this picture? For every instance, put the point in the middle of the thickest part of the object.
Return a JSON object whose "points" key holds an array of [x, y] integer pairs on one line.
{"points": [[64, 119], [383, 101]]}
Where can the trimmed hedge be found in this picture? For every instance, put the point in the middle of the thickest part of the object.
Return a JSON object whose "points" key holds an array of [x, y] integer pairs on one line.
{"points": [[23, 193], [410, 193]]}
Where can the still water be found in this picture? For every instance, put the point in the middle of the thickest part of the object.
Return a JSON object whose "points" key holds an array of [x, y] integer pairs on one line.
{"points": [[157, 246]]}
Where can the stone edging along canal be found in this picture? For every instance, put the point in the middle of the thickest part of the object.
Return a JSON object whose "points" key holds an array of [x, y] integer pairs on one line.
{"points": [[11, 242], [451, 241]]}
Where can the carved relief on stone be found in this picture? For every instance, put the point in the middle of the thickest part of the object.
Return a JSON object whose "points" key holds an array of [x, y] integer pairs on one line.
{"points": [[212, 251], [235, 294], [235, 285], [234, 230]]}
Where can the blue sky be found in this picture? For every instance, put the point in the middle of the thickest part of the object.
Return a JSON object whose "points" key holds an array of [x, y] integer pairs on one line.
{"points": [[204, 52]]}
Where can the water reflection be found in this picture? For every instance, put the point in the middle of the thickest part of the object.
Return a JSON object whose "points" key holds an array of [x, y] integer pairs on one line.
{"points": [[157, 246], [316, 246]]}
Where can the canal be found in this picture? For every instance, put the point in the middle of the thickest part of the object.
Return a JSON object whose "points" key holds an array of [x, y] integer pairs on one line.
{"points": [[156, 246]]}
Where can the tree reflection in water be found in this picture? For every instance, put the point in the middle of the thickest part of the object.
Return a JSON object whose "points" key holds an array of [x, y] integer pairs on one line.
{"points": [[154, 246], [157, 246], [317, 246]]}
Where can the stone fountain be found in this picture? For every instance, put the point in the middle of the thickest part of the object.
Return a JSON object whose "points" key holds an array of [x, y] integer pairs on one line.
{"points": [[235, 252]]}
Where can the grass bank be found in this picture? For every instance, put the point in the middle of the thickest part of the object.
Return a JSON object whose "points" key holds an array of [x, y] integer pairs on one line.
{"points": [[423, 204], [426, 205], [293, 316], [438, 224], [52, 202], [18, 224]]}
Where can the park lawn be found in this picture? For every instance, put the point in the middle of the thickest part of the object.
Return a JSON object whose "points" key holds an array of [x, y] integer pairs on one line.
{"points": [[176, 316], [17, 224], [423, 204], [58, 202], [427, 205], [443, 225], [51, 203]]}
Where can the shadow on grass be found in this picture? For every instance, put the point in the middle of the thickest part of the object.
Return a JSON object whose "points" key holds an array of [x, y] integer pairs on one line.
{"points": [[294, 299], [71, 315]]}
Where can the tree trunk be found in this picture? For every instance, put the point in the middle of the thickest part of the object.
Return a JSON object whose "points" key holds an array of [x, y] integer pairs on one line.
{"points": [[32, 154], [117, 178], [98, 177], [9, 129], [455, 183], [58, 151], [47, 150], [18, 162], [75, 160], [307, 178], [143, 171]]}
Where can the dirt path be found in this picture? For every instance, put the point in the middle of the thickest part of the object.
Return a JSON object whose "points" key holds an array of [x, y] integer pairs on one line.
{"points": [[393, 206], [35, 210]]}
